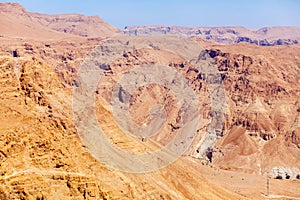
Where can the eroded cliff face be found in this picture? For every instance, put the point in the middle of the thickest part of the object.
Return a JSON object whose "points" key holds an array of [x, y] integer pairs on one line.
{"points": [[263, 103], [42, 156], [262, 114], [38, 132]]}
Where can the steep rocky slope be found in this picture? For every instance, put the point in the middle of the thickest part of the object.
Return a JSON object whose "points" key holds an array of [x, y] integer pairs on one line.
{"points": [[261, 130], [64, 57], [41, 154], [263, 102], [42, 157], [268, 36]]}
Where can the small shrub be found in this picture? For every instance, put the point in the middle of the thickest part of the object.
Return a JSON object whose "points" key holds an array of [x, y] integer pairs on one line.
{"points": [[287, 176], [298, 176], [278, 177]]}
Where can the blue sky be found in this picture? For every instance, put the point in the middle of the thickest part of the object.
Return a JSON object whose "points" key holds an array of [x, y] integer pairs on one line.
{"points": [[248, 13]]}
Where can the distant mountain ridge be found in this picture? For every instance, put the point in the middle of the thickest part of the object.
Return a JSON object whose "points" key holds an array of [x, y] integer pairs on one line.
{"points": [[16, 21], [267, 36]]}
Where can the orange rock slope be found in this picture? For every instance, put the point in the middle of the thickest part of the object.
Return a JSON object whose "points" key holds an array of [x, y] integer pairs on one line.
{"points": [[42, 156]]}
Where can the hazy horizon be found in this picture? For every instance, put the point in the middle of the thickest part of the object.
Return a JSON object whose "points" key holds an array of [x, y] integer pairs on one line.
{"points": [[251, 14]]}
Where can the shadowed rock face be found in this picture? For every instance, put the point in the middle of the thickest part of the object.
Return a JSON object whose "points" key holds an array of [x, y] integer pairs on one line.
{"points": [[226, 35], [265, 42]]}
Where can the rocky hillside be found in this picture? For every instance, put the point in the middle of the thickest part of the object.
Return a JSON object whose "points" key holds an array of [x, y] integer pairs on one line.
{"points": [[261, 130], [268, 36], [42, 156], [262, 125]]}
